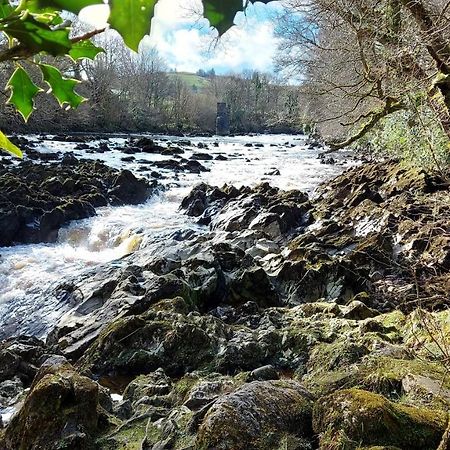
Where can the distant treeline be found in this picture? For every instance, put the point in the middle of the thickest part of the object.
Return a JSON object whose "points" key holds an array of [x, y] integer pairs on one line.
{"points": [[129, 92]]}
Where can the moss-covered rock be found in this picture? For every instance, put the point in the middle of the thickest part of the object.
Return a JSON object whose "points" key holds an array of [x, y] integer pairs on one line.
{"points": [[259, 415], [141, 344], [60, 411], [413, 380], [353, 418]]}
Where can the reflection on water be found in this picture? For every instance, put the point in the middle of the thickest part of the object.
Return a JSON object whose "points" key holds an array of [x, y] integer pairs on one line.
{"points": [[29, 273]]}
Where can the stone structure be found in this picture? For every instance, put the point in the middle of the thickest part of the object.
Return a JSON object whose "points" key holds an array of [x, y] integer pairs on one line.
{"points": [[222, 120]]}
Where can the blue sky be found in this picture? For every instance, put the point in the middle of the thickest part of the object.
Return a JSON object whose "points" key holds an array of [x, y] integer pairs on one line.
{"points": [[186, 42]]}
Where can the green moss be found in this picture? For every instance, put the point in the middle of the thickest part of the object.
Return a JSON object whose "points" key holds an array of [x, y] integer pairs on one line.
{"points": [[394, 320], [328, 382], [128, 437], [336, 355], [370, 419], [59, 399], [184, 385], [388, 372]]}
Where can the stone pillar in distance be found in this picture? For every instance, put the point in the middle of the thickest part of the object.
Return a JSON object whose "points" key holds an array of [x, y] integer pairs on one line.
{"points": [[222, 120]]}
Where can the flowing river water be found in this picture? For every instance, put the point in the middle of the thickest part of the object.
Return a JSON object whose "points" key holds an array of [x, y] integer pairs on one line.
{"points": [[29, 274]]}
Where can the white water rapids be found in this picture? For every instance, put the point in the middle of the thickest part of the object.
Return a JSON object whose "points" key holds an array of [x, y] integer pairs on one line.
{"points": [[30, 273]]}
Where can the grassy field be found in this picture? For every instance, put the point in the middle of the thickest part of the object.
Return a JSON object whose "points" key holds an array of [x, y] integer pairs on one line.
{"points": [[191, 79]]}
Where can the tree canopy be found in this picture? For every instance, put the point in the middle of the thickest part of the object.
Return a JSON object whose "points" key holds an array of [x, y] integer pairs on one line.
{"points": [[32, 30]]}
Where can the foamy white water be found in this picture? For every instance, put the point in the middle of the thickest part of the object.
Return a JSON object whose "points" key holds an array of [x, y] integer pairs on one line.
{"points": [[29, 274]]}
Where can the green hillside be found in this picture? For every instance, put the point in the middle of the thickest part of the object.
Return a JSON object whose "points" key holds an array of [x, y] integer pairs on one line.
{"points": [[191, 79]]}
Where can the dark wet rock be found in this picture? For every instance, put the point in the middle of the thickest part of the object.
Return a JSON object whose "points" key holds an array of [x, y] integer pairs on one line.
{"points": [[202, 156], [32, 154], [103, 147], [36, 200], [367, 419], [195, 167], [172, 151], [262, 208], [273, 172], [147, 145], [183, 165], [82, 146], [329, 160], [133, 345], [21, 357], [261, 414], [127, 189]]}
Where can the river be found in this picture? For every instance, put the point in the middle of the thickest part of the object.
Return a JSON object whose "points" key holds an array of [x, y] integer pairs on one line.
{"points": [[29, 274]]}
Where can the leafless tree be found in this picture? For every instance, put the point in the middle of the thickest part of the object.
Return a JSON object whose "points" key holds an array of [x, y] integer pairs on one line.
{"points": [[362, 60]]}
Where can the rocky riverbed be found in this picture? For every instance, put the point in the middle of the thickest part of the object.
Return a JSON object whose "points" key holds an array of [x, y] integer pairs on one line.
{"points": [[271, 318]]}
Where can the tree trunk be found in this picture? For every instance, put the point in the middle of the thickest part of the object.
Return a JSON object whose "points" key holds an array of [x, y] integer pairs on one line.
{"points": [[445, 441], [390, 106]]}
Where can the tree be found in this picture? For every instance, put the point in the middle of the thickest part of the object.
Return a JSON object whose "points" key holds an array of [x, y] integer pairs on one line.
{"points": [[362, 60], [33, 30]]}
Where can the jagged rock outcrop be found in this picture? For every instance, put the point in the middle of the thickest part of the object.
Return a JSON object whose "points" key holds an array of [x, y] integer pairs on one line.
{"points": [[37, 199]]}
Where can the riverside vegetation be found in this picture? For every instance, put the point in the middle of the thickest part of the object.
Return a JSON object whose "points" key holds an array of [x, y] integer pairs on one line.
{"points": [[286, 320]]}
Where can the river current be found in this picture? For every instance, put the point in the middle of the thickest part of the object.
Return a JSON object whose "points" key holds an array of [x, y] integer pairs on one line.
{"points": [[29, 274]]}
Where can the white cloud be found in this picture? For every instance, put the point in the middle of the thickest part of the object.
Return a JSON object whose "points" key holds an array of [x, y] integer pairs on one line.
{"points": [[184, 40], [95, 15]]}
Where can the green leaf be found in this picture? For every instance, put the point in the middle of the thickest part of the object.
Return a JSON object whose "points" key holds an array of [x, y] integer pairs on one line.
{"points": [[221, 13], [23, 91], [84, 49], [61, 88], [74, 6], [132, 18], [38, 36], [7, 145], [5, 9]]}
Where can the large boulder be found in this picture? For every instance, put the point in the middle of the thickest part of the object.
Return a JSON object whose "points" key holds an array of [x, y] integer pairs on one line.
{"points": [[60, 411], [262, 414], [353, 418], [262, 208]]}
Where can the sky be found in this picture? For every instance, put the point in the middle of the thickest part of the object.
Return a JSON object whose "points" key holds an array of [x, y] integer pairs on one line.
{"points": [[186, 42]]}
